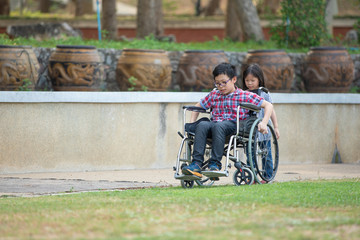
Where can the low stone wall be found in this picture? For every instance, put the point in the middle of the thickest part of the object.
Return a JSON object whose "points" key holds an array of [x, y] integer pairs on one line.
{"points": [[90, 131], [111, 56]]}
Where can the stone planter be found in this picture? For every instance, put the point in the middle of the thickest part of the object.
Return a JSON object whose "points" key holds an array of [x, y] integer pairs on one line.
{"points": [[328, 69], [195, 69], [18, 68], [143, 70], [76, 68], [277, 67]]}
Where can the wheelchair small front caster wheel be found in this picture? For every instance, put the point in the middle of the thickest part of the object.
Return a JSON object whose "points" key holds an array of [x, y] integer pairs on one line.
{"points": [[207, 182], [243, 176], [187, 183]]}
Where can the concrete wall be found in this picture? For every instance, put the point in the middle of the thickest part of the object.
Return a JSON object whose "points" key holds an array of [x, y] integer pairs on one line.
{"points": [[83, 131]]}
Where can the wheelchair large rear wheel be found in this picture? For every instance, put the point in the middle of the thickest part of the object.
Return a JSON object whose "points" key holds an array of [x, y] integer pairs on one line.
{"points": [[263, 153]]}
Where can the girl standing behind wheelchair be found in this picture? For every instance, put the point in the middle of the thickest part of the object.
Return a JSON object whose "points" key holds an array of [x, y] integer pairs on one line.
{"points": [[253, 80]]}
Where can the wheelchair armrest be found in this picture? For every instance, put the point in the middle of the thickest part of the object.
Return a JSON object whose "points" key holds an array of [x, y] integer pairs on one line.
{"points": [[250, 106], [195, 109]]}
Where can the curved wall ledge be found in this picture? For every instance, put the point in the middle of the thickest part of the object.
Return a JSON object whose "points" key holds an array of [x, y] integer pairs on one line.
{"points": [[164, 97]]}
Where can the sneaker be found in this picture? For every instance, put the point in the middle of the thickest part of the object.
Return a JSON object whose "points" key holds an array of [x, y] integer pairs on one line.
{"points": [[192, 169], [261, 182], [213, 167]]}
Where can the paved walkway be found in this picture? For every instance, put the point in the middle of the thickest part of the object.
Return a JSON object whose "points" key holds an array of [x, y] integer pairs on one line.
{"points": [[35, 184]]}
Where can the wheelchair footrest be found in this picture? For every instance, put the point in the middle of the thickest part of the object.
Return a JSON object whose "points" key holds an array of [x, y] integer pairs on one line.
{"points": [[187, 177], [212, 174]]}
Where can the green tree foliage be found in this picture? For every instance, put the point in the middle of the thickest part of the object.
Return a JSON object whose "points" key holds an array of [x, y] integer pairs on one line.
{"points": [[357, 24], [302, 24]]}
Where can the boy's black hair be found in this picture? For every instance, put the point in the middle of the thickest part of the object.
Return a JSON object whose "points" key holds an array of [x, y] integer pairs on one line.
{"points": [[224, 68], [255, 70]]}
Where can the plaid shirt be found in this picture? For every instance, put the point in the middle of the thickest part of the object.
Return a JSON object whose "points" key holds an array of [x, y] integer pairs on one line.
{"points": [[224, 107]]}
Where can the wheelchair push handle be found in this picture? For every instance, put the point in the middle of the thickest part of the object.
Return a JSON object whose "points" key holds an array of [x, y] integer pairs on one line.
{"points": [[250, 106], [258, 91], [195, 109]]}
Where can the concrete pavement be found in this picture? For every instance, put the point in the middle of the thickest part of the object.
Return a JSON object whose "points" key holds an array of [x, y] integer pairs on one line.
{"points": [[50, 183]]}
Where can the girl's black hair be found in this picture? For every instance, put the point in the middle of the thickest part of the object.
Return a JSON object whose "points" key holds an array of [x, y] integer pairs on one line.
{"points": [[255, 70], [224, 68]]}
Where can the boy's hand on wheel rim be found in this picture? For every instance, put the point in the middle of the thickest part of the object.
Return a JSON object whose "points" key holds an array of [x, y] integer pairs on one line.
{"points": [[262, 128]]}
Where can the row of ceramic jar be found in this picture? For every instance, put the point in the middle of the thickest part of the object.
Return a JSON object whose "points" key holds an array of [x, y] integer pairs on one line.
{"points": [[80, 68]]}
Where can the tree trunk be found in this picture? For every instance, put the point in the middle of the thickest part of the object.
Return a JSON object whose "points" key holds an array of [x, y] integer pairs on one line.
{"points": [[44, 6], [233, 29], [212, 7], [331, 9], [198, 8], [5, 7], [274, 5], [268, 7], [250, 22], [149, 18], [83, 7], [109, 24]]}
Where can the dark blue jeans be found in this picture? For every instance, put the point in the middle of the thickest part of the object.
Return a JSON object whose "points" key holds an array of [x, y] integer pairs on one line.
{"points": [[217, 131], [267, 160]]}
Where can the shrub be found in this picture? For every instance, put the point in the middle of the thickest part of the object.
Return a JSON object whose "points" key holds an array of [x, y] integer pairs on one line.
{"points": [[302, 24], [357, 28]]}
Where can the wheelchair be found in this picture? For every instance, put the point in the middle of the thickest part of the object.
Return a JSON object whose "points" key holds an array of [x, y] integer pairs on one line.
{"points": [[254, 155]]}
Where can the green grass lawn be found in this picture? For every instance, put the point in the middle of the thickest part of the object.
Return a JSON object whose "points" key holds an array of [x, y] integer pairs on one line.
{"points": [[151, 43], [324, 209], [147, 43]]}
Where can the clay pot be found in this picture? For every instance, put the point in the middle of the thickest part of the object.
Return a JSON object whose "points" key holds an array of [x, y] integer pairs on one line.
{"points": [[76, 68], [195, 69], [277, 67], [143, 70], [18, 68], [328, 69]]}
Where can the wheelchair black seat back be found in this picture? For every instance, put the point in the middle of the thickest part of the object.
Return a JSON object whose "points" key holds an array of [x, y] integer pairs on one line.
{"points": [[254, 155]]}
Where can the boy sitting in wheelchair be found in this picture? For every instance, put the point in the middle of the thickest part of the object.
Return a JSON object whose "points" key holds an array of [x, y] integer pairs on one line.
{"points": [[223, 102]]}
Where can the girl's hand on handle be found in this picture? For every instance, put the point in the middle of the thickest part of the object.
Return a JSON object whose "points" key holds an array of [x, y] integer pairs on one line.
{"points": [[277, 133]]}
